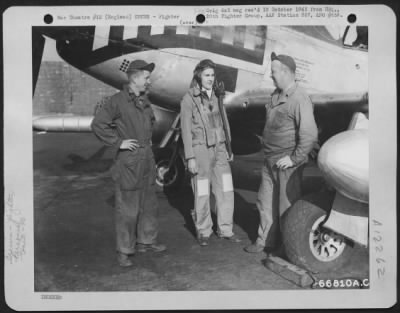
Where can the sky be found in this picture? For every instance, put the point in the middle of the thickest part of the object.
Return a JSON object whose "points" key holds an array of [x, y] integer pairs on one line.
{"points": [[50, 52]]}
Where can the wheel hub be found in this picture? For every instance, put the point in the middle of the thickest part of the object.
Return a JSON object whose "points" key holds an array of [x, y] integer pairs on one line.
{"points": [[165, 176], [325, 245], [325, 237]]}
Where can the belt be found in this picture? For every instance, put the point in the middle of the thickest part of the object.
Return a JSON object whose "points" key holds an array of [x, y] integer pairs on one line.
{"points": [[144, 144]]}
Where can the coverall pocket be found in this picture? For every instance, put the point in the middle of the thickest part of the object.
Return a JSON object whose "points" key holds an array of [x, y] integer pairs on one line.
{"points": [[131, 171], [279, 120], [131, 176], [197, 136], [196, 119]]}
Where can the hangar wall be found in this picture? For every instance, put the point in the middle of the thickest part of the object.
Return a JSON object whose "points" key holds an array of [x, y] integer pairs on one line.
{"points": [[62, 88]]}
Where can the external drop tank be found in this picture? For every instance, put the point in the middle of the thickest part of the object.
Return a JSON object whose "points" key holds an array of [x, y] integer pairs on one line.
{"points": [[344, 162]]}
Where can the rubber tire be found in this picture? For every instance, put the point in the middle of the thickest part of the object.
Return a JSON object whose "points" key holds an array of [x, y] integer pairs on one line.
{"points": [[165, 154], [296, 227]]}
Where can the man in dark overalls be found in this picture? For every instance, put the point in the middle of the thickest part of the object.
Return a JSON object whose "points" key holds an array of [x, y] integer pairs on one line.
{"points": [[126, 122]]}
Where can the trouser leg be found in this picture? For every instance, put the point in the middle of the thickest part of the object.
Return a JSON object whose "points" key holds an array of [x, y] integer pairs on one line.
{"points": [[201, 189], [278, 191], [126, 213], [148, 215], [289, 187], [267, 207], [222, 187]]}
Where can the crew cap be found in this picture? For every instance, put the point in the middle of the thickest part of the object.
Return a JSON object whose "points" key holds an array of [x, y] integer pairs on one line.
{"points": [[284, 59], [140, 65]]}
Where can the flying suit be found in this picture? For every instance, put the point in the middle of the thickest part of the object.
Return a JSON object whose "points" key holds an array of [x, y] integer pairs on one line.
{"points": [[204, 139]]}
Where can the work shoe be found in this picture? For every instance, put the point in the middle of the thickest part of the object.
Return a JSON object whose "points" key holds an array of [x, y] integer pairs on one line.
{"points": [[275, 252], [123, 260], [254, 248], [232, 238], [203, 241], [154, 247]]}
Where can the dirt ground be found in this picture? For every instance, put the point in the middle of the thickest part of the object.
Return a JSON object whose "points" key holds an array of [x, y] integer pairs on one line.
{"points": [[74, 228]]}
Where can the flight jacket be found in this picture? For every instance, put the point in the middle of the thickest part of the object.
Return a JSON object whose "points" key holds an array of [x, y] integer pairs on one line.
{"points": [[195, 124]]}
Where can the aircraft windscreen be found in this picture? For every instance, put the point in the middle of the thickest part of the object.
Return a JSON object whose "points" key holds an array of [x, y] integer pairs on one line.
{"points": [[356, 37]]}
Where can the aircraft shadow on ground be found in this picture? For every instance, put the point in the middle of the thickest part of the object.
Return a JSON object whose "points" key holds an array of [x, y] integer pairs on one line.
{"points": [[94, 164], [246, 178], [182, 200], [245, 215]]}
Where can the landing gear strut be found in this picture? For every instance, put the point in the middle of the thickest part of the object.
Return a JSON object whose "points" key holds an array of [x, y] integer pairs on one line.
{"points": [[170, 170]]}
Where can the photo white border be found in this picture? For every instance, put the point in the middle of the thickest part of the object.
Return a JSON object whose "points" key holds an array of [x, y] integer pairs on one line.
{"points": [[18, 169]]}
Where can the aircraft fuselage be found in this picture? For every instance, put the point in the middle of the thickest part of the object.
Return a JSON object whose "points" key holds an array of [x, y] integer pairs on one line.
{"points": [[242, 55]]}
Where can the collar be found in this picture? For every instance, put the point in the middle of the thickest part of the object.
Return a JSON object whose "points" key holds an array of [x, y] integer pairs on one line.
{"points": [[125, 92], [290, 89], [131, 96], [130, 91], [208, 92], [197, 92], [281, 96]]}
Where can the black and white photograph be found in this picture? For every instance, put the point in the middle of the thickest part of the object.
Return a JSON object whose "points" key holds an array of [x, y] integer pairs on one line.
{"points": [[189, 157]]}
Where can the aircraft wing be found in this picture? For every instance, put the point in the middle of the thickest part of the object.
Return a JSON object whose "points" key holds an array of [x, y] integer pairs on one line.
{"points": [[355, 102], [246, 114], [333, 112], [249, 99]]}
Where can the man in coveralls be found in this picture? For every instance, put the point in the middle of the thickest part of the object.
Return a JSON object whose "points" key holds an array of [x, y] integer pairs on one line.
{"points": [[289, 135], [134, 168], [204, 144]]}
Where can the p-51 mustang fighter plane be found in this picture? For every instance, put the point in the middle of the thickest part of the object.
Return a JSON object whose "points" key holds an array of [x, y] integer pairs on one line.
{"points": [[331, 65], [334, 72]]}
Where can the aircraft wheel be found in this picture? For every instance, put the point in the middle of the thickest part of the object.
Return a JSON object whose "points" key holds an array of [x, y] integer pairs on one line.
{"points": [[308, 244], [172, 178]]}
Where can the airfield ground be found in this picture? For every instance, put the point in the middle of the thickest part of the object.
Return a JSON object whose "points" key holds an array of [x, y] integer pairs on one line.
{"points": [[74, 228]]}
